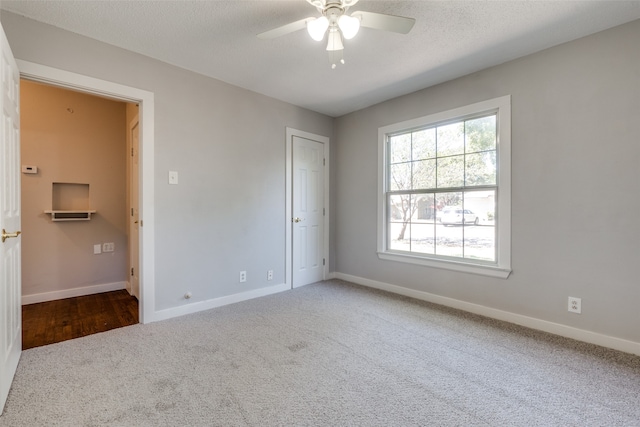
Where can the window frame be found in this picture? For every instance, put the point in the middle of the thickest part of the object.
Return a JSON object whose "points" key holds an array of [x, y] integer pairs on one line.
{"points": [[501, 268]]}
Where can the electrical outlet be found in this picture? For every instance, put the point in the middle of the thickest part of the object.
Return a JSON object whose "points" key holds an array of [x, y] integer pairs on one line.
{"points": [[243, 276], [575, 305], [270, 275], [108, 247]]}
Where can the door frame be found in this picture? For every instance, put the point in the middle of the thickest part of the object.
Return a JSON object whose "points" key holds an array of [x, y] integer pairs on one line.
{"points": [[145, 100], [131, 201], [288, 264]]}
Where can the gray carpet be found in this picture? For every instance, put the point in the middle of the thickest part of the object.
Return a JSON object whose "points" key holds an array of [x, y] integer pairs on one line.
{"points": [[328, 354]]}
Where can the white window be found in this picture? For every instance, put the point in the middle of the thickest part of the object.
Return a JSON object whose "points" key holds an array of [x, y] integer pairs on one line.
{"points": [[445, 189]]}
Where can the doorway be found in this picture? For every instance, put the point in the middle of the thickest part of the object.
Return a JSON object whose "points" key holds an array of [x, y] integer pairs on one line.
{"points": [[307, 208], [145, 100], [76, 145]]}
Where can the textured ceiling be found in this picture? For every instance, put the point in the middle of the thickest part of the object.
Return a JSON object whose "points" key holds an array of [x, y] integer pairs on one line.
{"points": [[218, 39]]}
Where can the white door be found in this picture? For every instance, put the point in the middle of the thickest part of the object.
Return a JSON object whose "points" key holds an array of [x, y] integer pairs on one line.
{"points": [[10, 248], [308, 211], [134, 218]]}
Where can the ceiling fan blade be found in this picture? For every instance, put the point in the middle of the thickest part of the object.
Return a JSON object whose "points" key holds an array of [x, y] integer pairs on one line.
{"points": [[380, 21], [285, 29]]}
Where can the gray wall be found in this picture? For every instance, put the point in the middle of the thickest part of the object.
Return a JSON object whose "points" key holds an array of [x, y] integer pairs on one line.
{"points": [[575, 185], [227, 143], [576, 180]]}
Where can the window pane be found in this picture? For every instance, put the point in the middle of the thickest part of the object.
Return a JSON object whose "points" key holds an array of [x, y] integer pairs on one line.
{"points": [[423, 238], [447, 200], [399, 217], [426, 209], [449, 240], [481, 203], [400, 177], [480, 240], [480, 168], [448, 234], [424, 144], [399, 208], [422, 224], [424, 174], [481, 134], [400, 148], [451, 139], [400, 211], [395, 243], [451, 172]]}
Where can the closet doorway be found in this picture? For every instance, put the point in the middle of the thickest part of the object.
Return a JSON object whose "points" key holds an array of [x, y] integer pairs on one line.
{"points": [[78, 150]]}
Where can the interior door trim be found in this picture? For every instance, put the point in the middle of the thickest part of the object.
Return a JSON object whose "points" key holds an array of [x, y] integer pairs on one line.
{"points": [[145, 100]]}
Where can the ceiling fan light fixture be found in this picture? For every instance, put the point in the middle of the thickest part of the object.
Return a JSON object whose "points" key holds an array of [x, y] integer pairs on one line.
{"points": [[335, 40], [349, 26], [317, 27], [337, 24]]}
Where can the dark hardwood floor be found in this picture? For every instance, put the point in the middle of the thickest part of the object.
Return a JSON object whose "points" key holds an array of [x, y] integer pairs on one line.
{"points": [[55, 321]]}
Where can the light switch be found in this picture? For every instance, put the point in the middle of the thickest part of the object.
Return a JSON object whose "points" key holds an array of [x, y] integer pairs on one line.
{"points": [[173, 177]]}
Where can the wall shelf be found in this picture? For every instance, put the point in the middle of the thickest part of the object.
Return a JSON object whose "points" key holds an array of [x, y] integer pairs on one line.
{"points": [[70, 202], [77, 215]]}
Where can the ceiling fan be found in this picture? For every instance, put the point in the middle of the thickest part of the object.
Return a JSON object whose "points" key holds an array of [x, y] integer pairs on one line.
{"points": [[335, 22]]}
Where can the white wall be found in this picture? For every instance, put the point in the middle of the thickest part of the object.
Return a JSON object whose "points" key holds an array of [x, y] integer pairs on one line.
{"points": [[575, 186], [228, 145], [72, 138]]}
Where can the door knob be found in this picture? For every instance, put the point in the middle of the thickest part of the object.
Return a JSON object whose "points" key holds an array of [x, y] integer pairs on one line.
{"points": [[6, 235], [296, 219]]}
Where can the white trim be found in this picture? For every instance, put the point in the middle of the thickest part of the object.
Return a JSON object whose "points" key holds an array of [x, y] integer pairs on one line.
{"points": [[219, 302], [74, 292], [518, 319], [145, 99], [502, 267], [135, 121], [463, 267], [290, 133]]}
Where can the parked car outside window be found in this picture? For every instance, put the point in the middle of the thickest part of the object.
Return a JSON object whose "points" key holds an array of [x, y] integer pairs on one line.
{"points": [[453, 216]]}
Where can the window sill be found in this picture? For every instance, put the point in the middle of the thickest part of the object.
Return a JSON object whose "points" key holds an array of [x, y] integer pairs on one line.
{"points": [[483, 270]]}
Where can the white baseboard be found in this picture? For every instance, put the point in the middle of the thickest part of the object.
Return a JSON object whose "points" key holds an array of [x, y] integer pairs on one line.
{"points": [[74, 292], [190, 308], [529, 322]]}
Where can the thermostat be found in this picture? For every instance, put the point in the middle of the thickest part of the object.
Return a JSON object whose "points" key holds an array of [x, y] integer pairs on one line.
{"points": [[29, 169]]}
